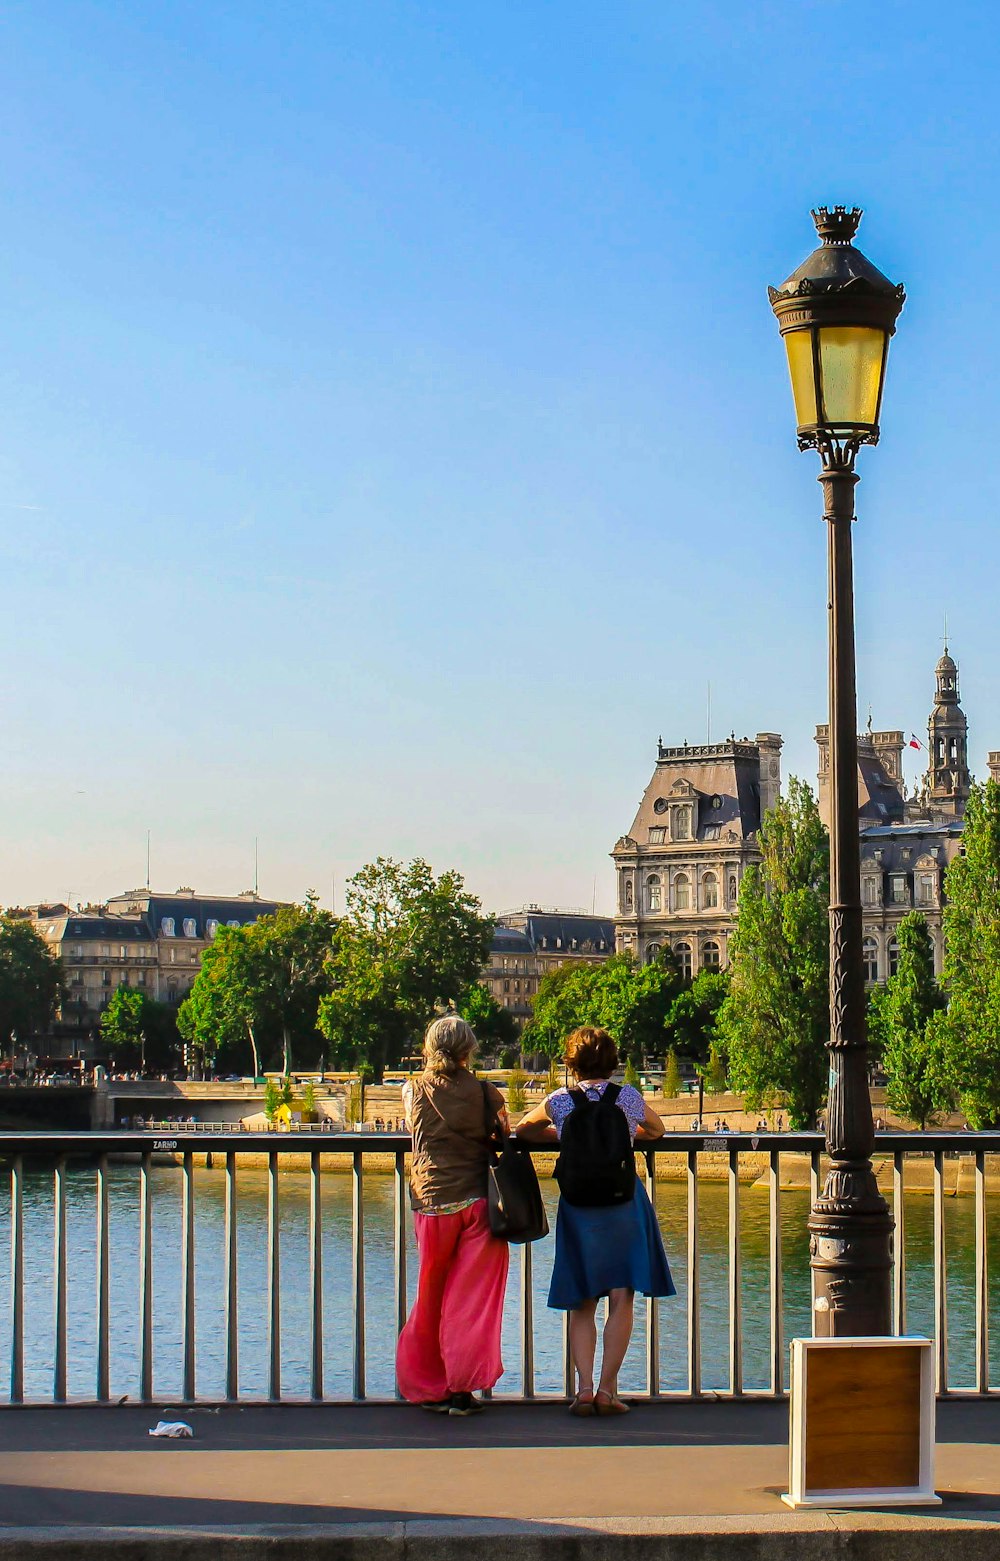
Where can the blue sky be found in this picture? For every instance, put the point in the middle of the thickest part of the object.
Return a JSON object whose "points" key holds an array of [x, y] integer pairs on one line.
{"points": [[395, 437]]}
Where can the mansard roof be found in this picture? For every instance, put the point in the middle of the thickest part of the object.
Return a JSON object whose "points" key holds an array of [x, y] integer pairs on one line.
{"points": [[729, 771]]}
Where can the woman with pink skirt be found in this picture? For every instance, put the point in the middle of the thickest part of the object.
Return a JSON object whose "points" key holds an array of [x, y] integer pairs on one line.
{"points": [[450, 1345]]}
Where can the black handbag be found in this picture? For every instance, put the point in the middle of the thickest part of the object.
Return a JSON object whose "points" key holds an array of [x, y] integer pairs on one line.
{"points": [[513, 1196]]}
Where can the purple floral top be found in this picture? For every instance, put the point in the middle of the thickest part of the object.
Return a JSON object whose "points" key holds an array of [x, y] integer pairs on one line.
{"points": [[559, 1105]]}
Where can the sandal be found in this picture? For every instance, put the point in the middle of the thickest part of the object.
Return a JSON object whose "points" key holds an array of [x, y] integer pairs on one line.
{"points": [[582, 1405], [613, 1406]]}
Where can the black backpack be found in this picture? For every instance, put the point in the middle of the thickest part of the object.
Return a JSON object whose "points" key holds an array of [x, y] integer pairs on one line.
{"points": [[596, 1164]]}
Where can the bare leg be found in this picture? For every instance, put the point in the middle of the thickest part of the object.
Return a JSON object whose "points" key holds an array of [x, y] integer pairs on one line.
{"points": [[617, 1334], [583, 1343]]}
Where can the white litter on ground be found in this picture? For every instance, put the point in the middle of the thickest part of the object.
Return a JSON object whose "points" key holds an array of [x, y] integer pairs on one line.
{"points": [[171, 1428]]}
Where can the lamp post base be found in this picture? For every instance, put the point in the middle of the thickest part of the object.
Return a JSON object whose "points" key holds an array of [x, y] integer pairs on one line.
{"points": [[850, 1253]]}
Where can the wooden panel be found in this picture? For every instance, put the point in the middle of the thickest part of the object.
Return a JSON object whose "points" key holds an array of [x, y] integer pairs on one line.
{"points": [[862, 1418]]}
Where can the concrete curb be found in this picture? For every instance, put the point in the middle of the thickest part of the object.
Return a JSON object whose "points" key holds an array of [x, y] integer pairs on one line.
{"points": [[809, 1536]]}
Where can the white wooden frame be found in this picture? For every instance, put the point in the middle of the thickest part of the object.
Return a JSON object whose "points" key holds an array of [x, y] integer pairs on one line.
{"points": [[923, 1493]]}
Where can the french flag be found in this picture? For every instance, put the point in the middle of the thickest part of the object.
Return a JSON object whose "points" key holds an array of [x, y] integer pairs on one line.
{"points": [[915, 741]]}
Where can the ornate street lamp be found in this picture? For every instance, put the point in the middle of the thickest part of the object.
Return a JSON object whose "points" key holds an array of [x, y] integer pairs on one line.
{"points": [[836, 314]]}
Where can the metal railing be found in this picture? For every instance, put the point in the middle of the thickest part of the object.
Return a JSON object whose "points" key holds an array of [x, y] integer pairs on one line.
{"points": [[134, 1161]]}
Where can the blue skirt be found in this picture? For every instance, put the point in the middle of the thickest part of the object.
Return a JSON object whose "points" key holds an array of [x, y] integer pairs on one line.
{"points": [[598, 1250]]}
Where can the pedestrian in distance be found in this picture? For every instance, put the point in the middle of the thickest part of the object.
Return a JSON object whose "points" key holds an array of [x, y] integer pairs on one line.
{"points": [[450, 1344], [608, 1243]]}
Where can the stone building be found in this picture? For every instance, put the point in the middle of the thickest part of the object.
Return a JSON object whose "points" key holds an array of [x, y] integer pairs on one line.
{"points": [[529, 942], [153, 942], [907, 841], [680, 866]]}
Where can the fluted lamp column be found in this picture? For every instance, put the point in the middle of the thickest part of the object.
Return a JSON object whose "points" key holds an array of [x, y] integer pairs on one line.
{"points": [[836, 314]]}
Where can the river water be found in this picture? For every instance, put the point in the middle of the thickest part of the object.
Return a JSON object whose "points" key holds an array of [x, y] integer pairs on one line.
{"points": [[380, 1292]]}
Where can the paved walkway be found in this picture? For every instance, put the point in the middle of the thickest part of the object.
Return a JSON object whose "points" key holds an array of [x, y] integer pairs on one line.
{"points": [[667, 1468]]}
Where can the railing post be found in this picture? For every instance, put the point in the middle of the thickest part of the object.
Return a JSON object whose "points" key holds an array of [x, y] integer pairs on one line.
{"points": [[316, 1276], [187, 1273], [17, 1280], [103, 1283], [652, 1305], [693, 1278], [145, 1280], [940, 1280], [527, 1325], [232, 1284], [59, 1279], [735, 1287], [898, 1243], [776, 1286], [273, 1280], [399, 1243], [358, 1271], [982, 1280]]}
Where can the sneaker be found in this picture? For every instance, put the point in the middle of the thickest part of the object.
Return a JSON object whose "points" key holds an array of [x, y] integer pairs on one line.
{"points": [[438, 1406], [465, 1404]]}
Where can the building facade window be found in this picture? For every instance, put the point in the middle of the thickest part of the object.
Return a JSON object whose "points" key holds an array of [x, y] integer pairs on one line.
{"points": [[680, 822], [869, 890], [926, 889], [652, 953], [869, 954], [709, 891], [682, 892], [892, 954], [682, 954], [711, 956], [897, 885], [657, 835], [654, 893]]}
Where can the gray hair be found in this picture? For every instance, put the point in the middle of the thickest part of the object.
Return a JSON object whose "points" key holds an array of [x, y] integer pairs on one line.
{"points": [[447, 1044]]}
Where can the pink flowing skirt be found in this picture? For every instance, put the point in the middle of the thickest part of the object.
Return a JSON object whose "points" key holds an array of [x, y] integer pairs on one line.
{"points": [[451, 1340]]}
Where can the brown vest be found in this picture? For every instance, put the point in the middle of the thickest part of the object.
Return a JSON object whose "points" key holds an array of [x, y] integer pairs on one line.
{"points": [[449, 1159]]}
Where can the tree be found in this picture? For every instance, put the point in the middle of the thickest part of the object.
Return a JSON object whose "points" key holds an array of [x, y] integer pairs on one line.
{"points": [[972, 959], [918, 1083], [272, 1099], [631, 1002], [139, 1031], [260, 986], [714, 1072], [516, 1098], [494, 1025], [121, 1025], [774, 1022], [409, 945], [877, 1022], [691, 1022], [631, 1073], [671, 1077], [30, 979]]}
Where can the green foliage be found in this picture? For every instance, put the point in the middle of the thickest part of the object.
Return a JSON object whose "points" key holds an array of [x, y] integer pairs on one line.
{"points": [[272, 1099], [972, 959], [30, 979], [355, 1108], [631, 1002], [259, 987], [918, 1084], [671, 1076], [694, 1013], [553, 1078], [134, 1028], [507, 1056], [631, 1073], [774, 1022], [310, 1109], [516, 1098], [121, 1025], [495, 1026], [408, 945], [877, 1022], [714, 1072]]}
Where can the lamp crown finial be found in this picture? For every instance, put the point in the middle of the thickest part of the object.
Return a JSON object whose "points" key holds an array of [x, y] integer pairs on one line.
{"points": [[837, 226]]}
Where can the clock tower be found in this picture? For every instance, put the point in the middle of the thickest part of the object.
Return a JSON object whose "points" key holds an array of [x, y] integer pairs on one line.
{"points": [[947, 745]]}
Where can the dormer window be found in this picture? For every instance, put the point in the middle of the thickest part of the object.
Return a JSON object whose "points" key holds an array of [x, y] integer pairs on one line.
{"points": [[680, 821], [211, 927], [657, 835], [168, 927], [190, 927]]}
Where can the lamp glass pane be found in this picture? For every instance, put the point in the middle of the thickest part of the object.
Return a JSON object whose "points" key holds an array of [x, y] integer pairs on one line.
{"points": [[798, 345], [851, 367]]}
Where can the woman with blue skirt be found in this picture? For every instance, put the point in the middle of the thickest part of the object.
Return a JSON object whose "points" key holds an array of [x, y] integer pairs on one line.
{"points": [[609, 1248]]}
